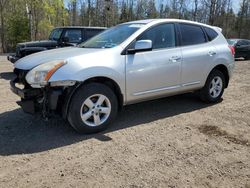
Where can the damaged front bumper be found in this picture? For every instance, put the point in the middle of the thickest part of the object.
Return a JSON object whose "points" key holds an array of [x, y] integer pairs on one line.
{"points": [[37, 100], [54, 97], [28, 97]]}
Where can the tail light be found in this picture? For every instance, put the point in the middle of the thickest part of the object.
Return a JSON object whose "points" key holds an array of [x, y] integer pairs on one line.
{"points": [[232, 49]]}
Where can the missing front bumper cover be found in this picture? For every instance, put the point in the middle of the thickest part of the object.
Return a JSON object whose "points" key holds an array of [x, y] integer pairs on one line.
{"points": [[28, 106], [24, 93]]}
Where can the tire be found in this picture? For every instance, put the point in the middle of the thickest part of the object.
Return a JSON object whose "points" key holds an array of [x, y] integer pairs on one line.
{"points": [[247, 58], [210, 93], [86, 106]]}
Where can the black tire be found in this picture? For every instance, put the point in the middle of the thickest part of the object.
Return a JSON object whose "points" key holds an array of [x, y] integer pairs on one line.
{"points": [[247, 58], [205, 91], [83, 93]]}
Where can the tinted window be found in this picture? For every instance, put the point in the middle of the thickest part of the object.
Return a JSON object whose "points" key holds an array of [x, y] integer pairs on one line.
{"points": [[89, 33], [74, 35], [211, 33], [162, 36], [192, 34], [55, 34], [243, 42]]}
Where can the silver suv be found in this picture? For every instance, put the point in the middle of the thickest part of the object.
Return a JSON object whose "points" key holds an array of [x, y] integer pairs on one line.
{"points": [[129, 63]]}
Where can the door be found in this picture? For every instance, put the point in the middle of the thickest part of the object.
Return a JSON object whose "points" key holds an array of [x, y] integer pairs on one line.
{"points": [[150, 74], [198, 55]]}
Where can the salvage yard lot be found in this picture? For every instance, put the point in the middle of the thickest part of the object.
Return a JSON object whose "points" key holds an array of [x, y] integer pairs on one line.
{"points": [[172, 142]]}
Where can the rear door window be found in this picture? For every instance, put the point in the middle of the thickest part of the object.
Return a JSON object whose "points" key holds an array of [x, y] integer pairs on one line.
{"points": [[191, 35]]}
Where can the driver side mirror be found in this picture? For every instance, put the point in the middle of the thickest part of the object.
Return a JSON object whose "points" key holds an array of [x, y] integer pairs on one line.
{"points": [[141, 46]]}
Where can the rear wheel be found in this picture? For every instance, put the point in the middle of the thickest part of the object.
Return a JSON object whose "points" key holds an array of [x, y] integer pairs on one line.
{"points": [[93, 107], [247, 57], [214, 87]]}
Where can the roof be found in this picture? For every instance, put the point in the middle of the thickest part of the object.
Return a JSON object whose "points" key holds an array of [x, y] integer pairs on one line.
{"points": [[81, 27], [147, 21], [141, 21]]}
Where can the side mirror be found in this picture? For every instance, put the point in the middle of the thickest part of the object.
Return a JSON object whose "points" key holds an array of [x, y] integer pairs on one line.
{"points": [[141, 46], [65, 39]]}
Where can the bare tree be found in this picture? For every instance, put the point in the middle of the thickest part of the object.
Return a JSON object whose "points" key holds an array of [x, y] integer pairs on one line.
{"points": [[195, 10]]}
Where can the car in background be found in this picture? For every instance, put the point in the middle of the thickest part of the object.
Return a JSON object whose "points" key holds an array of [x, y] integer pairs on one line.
{"points": [[241, 47], [59, 37], [132, 62]]}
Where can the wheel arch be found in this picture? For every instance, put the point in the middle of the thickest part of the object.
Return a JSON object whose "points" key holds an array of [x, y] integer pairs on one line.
{"points": [[110, 83], [222, 68], [97, 79]]}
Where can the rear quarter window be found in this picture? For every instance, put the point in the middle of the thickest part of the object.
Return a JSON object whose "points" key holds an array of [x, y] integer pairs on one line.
{"points": [[191, 35], [211, 34]]}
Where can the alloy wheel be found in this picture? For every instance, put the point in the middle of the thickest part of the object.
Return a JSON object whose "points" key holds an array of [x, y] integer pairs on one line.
{"points": [[95, 110], [215, 87]]}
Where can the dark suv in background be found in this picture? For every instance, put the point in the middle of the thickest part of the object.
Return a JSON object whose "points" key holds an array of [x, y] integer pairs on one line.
{"points": [[242, 48], [59, 37]]}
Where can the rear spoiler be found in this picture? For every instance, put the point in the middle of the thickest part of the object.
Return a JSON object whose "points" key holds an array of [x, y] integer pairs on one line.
{"points": [[218, 28]]}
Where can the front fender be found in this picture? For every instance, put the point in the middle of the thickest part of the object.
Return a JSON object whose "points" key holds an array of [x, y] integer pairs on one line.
{"points": [[81, 75]]}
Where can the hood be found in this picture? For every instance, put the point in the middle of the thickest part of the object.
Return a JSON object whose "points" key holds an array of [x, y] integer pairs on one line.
{"points": [[31, 61], [42, 43]]}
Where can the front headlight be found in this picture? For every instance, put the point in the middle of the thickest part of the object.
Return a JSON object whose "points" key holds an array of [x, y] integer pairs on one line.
{"points": [[40, 75]]}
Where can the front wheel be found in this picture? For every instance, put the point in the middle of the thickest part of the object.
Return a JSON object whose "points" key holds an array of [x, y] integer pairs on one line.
{"points": [[214, 87], [93, 107]]}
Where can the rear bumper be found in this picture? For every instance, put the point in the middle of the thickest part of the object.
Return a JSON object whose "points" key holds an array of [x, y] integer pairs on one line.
{"points": [[12, 58]]}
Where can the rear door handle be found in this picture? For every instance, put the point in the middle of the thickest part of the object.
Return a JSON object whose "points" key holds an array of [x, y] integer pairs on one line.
{"points": [[211, 53], [175, 59]]}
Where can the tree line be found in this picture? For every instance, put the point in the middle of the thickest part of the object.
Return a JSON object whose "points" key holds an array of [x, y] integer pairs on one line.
{"points": [[24, 20]]}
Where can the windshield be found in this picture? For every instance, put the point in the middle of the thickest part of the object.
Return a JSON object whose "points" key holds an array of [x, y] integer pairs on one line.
{"points": [[112, 37], [55, 34], [231, 42]]}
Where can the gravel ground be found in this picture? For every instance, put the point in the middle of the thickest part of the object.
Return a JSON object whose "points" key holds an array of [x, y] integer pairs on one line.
{"points": [[173, 142]]}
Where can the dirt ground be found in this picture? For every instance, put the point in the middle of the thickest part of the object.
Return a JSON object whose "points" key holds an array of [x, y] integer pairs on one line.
{"points": [[172, 142]]}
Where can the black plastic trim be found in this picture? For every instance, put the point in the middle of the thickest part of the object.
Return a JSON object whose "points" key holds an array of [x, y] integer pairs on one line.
{"points": [[24, 93]]}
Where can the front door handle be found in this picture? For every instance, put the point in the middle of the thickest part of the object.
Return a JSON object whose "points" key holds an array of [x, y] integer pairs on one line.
{"points": [[174, 59], [211, 53]]}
